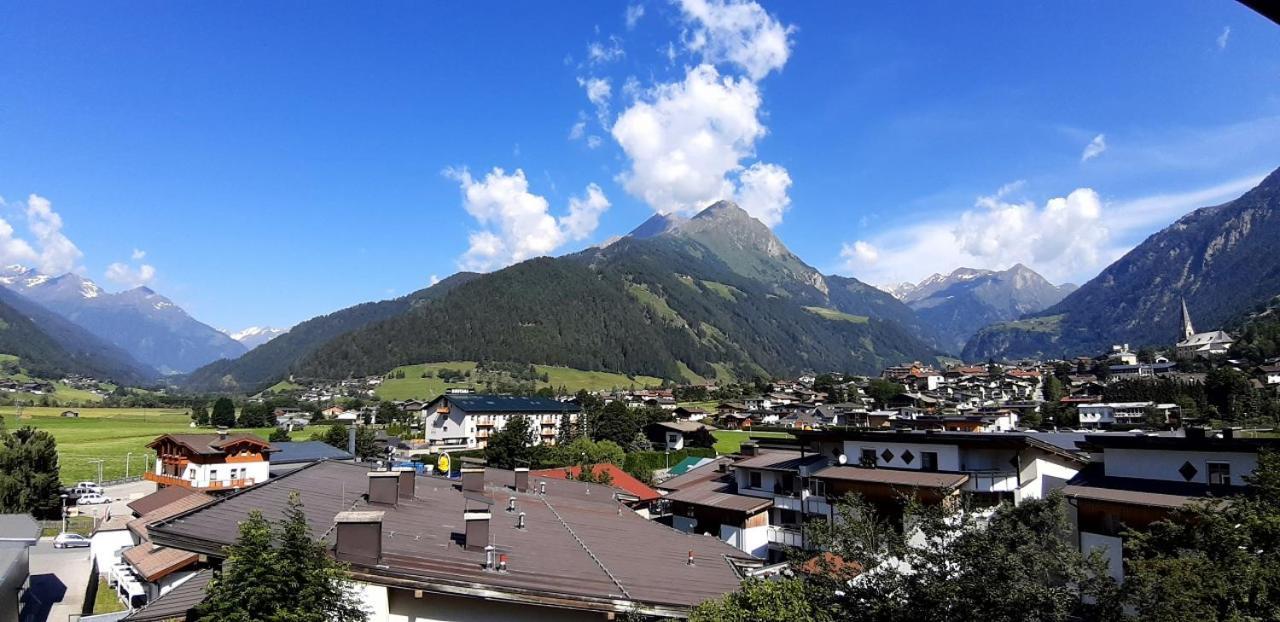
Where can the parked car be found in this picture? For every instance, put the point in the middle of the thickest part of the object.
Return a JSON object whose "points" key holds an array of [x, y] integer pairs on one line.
{"points": [[86, 488], [92, 498], [66, 540]]}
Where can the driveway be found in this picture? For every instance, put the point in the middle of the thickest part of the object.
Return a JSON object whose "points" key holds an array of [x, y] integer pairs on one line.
{"points": [[59, 580], [122, 495]]}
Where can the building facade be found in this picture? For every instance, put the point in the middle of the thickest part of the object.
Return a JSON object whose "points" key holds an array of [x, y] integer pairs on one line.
{"points": [[469, 421], [210, 462]]}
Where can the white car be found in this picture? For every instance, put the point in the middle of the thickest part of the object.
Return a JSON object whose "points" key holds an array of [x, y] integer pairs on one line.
{"points": [[66, 540], [92, 498], [86, 488]]}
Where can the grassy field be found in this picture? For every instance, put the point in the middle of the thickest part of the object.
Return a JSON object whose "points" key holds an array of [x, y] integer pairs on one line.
{"points": [[729, 441], [414, 386], [108, 434], [106, 600]]}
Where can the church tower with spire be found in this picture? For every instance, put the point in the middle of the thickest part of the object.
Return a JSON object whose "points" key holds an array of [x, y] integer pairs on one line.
{"points": [[1187, 329]]}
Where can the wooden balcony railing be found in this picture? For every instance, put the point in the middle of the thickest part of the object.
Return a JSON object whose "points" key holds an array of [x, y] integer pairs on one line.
{"points": [[223, 484]]}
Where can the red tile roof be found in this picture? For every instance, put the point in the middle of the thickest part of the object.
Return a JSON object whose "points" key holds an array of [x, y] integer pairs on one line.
{"points": [[621, 479]]}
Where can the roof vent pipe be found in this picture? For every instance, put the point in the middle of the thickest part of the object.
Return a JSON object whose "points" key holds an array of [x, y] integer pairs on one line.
{"points": [[690, 562], [222, 434], [520, 521], [542, 488], [489, 561], [511, 504]]}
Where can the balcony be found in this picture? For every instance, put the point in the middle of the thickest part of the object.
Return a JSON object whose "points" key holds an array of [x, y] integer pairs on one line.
{"points": [[222, 484], [992, 481], [785, 536]]}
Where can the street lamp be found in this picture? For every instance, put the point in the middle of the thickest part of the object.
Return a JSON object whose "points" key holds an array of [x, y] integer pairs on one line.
{"points": [[64, 512], [126, 464]]}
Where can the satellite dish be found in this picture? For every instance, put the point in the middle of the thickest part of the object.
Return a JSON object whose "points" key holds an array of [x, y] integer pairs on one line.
{"points": [[842, 458]]}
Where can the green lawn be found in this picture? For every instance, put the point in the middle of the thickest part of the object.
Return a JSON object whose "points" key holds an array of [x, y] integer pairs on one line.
{"points": [[108, 434], [414, 386], [832, 314], [105, 601], [729, 441]]}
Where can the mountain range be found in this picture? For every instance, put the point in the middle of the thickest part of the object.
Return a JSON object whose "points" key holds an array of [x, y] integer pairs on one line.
{"points": [[255, 336], [1221, 260], [149, 327], [958, 304], [710, 297]]}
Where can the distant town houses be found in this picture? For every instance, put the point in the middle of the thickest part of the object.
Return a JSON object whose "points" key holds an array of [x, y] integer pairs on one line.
{"points": [[452, 422]]}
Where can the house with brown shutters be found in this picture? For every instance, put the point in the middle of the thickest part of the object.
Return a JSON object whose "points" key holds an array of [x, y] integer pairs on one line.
{"points": [[210, 462]]}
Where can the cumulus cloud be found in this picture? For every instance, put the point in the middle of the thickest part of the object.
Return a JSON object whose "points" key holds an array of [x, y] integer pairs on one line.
{"points": [[598, 93], [517, 223], [693, 141], [1094, 148], [138, 255], [131, 276], [633, 15], [577, 130], [433, 279], [44, 247], [1224, 37], [742, 33], [1062, 239]]}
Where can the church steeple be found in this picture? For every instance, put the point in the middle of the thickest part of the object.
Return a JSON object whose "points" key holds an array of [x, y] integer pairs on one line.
{"points": [[1187, 329]]}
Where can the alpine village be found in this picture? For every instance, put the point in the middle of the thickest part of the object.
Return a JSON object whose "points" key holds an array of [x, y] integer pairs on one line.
{"points": [[682, 421]]}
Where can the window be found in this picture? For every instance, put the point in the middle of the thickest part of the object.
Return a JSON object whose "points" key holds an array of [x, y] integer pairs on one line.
{"points": [[1219, 474], [817, 487], [753, 479], [213, 475], [928, 461], [868, 457]]}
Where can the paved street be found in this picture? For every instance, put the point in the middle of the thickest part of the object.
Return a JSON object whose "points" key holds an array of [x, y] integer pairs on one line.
{"points": [[59, 579]]}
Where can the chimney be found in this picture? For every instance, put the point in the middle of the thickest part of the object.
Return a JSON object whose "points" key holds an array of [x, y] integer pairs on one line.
{"points": [[359, 537], [473, 479], [750, 448], [522, 479], [222, 434], [384, 487], [408, 479], [477, 535]]}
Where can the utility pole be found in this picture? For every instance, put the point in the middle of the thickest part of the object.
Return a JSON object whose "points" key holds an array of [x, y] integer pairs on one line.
{"points": [[126, 464], [99, 463]]}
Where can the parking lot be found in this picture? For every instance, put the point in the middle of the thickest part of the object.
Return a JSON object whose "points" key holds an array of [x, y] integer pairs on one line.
{"points": [[121, 495]]}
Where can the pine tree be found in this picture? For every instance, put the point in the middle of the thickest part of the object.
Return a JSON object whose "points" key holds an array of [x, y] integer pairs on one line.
{"points": [[29, 479], [246, 589], [224, 413]]}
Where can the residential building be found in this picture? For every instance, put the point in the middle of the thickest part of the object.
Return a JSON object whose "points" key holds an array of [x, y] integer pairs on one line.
{"points": [[1141, 479], [148, 571], [502, 545], [210, 462], [1108, 414], [671, 435], [468, 421]]}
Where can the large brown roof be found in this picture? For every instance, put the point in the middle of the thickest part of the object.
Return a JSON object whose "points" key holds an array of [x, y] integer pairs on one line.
{"points": [[184, 503], [1128, 497], [781, 460], [580, 547], [720, 493], [174, 604], [694, 476], [894, 477], [212, 444], [159, 499]]}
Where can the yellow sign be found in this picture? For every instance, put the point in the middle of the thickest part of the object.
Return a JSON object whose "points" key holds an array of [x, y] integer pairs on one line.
{"points": [[442, 463]]}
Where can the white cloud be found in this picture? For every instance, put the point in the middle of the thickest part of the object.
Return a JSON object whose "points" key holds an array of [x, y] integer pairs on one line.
{"points": [[584, 213], [1224, 37], [593, 141], [577, 130], [1094, 148], [598, 91], [517, 223], [45, 247], [685, 138], [601, 52], [130, 276], [633, 15], [738, 32], [693, 142], [859, 253], [762, 192], [433, 279], [138, 255], [1063, 239]]}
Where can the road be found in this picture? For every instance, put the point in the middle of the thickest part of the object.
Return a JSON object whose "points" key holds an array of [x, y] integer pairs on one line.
{"points": [[59, 580]]}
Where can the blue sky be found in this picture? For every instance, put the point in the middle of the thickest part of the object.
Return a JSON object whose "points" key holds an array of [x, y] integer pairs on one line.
{"points": [[262, 163]]}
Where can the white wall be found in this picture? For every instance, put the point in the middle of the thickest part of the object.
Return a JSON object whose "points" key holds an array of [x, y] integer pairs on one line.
{"points": [[1164, 465], [106, 546], [753, 540], [203, 475], [948, 455]]}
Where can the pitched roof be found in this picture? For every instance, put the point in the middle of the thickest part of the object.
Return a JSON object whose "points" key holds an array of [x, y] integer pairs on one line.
{"points": [[153, 563], [718, 491], [182, 504], [159, 499], [176, 603], [212, 444], [684, 427], [577, 550], [781, 460], [683, 467], [297, 452], [620, 479], [478, 403]]}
